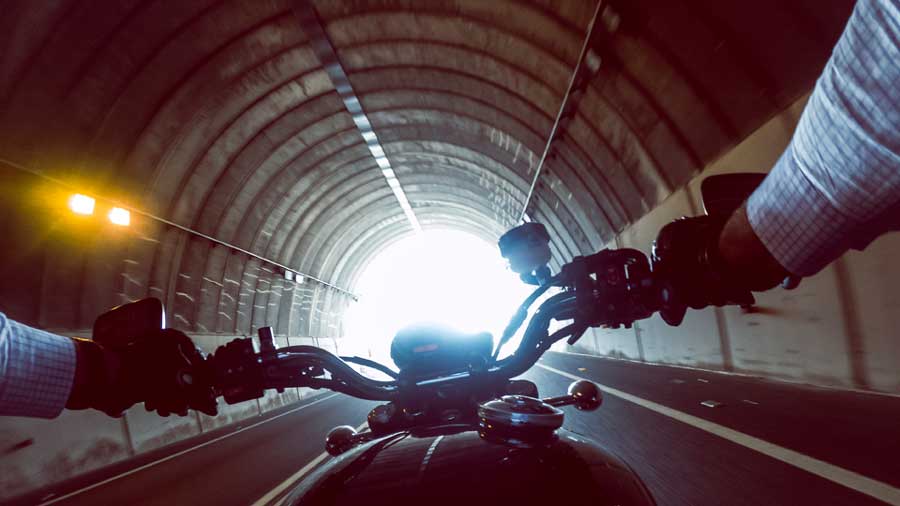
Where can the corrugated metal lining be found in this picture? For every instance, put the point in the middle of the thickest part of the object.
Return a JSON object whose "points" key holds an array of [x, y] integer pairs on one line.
{"points": [[218, 115]]}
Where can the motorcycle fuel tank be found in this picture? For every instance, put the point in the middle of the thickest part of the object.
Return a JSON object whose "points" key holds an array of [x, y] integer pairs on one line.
{"points": [[453, 464]]}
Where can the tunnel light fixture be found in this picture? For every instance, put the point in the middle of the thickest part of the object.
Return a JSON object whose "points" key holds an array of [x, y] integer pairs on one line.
{"points": [[82, 204], [389, 173], [289, 275], [119, 216], [351, 102], [326, 53], [383, 162]]}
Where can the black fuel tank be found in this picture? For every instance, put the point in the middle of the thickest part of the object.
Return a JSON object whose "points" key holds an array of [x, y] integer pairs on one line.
{"points": [[454, 465]]}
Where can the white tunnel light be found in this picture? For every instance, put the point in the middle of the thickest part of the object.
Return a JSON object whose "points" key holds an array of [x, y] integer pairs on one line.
{"points": [[82, 204], [326, 52], [388, 173], [352, 103], [119, 216], [362, 122]]}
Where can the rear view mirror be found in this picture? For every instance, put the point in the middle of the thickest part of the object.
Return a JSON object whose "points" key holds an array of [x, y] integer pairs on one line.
{"points": [[129, 322], [724, 193], [527, 248]]}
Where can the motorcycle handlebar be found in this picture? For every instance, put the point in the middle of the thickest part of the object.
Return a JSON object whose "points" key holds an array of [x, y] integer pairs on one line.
{"points": [[242, 374], [612, 288], [239, 373]]}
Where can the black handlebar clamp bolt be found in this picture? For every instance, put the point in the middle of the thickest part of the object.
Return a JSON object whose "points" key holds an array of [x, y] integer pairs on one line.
{"points": [[267, 348], [266, 342], [527, 248], [238, 374]]}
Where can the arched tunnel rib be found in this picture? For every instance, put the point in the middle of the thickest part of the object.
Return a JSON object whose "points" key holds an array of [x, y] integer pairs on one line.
{"points": [[241, 135]]}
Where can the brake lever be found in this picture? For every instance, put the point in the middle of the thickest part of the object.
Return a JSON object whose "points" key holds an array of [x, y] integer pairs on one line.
{"points": [[576, 335]]}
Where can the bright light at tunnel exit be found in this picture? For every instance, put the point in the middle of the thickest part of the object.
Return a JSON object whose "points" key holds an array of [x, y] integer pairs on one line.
{"points": [[440, 276]]}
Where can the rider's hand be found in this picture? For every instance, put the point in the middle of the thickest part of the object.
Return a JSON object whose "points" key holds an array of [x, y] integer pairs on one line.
{"points": [[165, 370], [687, 264]]}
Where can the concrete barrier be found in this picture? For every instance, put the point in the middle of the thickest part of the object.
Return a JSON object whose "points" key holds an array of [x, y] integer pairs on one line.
{"points": [[35, 453]]}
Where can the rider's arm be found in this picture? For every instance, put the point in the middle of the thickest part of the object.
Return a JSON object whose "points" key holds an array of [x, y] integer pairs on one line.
{"points": [[37, 370], [837, 186], [42, 373]]}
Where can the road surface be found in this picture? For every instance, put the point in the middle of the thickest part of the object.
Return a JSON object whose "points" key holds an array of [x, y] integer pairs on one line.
{"points": [[764, 442]]}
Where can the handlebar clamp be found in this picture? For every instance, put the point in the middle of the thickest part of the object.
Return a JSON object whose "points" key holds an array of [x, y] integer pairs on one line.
{"points": [[613, 288], [238, 373]]}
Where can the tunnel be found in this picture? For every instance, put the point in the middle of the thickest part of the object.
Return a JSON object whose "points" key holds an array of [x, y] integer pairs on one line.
{"points": [[267, 151]]}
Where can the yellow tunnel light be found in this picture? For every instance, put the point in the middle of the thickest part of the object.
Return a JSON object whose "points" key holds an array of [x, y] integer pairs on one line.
{"points": [[81, 204], [119, 216]]}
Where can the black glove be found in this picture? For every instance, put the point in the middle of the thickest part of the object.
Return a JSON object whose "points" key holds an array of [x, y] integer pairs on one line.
{"points": [[165, 370], [687, 265]]}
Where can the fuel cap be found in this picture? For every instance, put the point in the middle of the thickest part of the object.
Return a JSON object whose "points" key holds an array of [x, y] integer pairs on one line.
{"points": [[519, 412]]}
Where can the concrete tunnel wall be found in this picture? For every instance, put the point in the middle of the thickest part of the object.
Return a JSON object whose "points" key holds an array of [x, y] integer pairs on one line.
{"points": [[838, 328]]}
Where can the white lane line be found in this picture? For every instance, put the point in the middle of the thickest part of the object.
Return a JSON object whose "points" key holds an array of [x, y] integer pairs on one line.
{"points": [[839, 475], [428, 455], [759, 377], [178, 454], [294, 478]]}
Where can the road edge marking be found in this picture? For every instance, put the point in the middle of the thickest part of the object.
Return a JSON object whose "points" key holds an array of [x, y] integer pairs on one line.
{"points": [[178, 454], [294, 478], [849, 479], [746, 375]]}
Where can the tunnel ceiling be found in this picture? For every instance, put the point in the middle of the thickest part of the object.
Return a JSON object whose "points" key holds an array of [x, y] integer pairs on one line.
{"points": [[220, 115]]}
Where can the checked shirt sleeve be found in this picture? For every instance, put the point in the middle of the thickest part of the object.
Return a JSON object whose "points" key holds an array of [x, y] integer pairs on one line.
{"points": [[37, 369], [837, 186]]}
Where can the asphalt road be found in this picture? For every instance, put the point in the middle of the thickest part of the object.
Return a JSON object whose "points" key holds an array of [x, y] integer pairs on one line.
{"points": [[653, 418], [683, 464]]}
